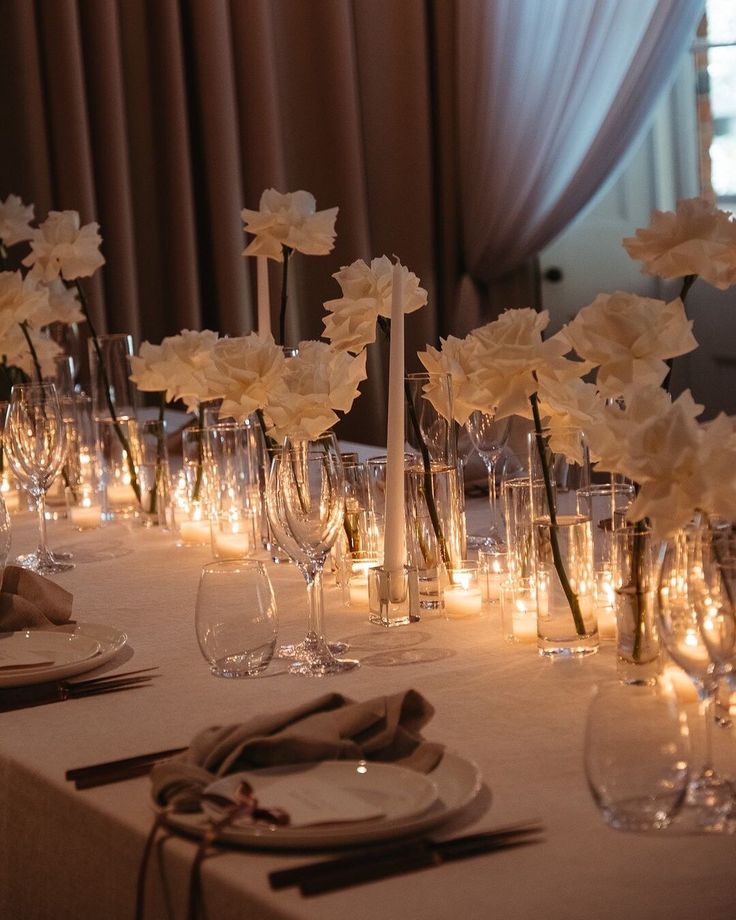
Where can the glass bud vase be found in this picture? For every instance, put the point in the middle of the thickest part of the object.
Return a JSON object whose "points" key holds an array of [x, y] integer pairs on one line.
{"points": [[637, 641], [563, 544]]}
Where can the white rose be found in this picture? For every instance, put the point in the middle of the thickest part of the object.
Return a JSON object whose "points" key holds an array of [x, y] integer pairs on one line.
{"points": [[61, 247], [458, 358], [15, 221], [696, 239], [245, 372], [289, 220]]}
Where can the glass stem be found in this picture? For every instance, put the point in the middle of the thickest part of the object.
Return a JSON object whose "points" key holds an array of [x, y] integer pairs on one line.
{"points": [[315, 616], [41, 509]]}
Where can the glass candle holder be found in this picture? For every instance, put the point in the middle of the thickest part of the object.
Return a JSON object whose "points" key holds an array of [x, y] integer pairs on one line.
{"points": [[493, 572], [463, 596], [519, 610], [393, 597]]}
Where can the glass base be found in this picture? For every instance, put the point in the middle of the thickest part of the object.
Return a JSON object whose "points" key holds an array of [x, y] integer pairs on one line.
{"points": [[248, 664], [318, 661], [488, 541], [710, 805], [299, 649], [549, 648], [43, 563]]}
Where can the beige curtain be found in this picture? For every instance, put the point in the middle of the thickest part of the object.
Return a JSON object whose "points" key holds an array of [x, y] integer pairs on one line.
{"points": [[161, 119]]}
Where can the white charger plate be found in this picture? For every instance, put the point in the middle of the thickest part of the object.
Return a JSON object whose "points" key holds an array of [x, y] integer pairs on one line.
{"points": [[103, 641], [456, 779]]}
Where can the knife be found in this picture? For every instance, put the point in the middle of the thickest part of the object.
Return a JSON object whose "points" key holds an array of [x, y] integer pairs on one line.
{"points": [[396, 859]]}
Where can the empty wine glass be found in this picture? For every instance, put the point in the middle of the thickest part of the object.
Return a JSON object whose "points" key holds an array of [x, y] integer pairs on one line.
{"points": [[689, 608], [35, 446], [293, 551], [489, 437], [308, 495]]}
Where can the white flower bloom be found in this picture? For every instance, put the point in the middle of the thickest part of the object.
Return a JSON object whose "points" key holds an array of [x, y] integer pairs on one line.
{"points": [[15, 221], [629, 337], [458, 358], [20, 300], [15, 352], [63, 306], [317, 383], [367, 291], [179, 366], [149, 371], [61, 247], [244, 372], [512, 357], [290, 220], [568, 406], [696, 239], [658, 444]]}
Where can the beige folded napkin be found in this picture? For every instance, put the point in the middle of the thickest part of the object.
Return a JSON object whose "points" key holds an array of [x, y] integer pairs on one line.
{"points": [[331, 727], [28, 601]]}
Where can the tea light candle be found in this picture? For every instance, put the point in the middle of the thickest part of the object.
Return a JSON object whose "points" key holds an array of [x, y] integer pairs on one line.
{"points": [[493, 566], [358, 581], [462, 592], [231, 545], [605, 597], [193, 532], [120, 493], [85, 516]]}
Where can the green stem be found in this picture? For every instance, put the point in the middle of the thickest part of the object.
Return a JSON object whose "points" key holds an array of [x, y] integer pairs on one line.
{"points": [[639, 595], [571, 596], [32, 348], [428, 485], [200, 455], [284, 294], [108, 395]]}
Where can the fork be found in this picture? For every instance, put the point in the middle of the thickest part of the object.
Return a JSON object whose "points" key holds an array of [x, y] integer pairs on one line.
{"points": [[60, 691]]}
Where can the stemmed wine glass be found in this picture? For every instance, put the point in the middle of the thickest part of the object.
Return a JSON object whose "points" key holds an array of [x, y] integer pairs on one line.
{"points": [[300, 559], [489, 436], [35, 445], [695, 616], [306, 499]]}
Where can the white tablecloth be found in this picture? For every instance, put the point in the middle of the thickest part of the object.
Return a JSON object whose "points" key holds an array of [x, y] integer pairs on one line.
{"points": [[70, 854]]}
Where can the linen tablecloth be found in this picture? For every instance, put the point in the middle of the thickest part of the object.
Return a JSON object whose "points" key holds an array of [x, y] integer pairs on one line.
{"points": [[70, 854]]}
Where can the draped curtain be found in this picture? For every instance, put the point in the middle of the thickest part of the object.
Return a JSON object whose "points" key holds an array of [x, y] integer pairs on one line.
{"points": [[550, 97], [461, 135]]}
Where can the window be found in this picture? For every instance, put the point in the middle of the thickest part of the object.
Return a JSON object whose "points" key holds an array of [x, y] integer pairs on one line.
{"points": [[715, 61]]}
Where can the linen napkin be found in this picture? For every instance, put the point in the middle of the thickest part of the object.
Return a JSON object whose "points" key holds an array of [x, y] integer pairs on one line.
{"points": [[330, 727], [28, 600]]}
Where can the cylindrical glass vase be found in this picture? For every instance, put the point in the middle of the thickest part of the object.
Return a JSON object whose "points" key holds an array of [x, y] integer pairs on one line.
{"points": [[637, 640], [109, 368]]}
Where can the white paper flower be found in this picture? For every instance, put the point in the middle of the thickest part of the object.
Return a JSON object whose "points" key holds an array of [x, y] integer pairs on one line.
{"points": [[511, 354], [63, 306], [20, 300], [629, 337], [718, 467], [245, 372], [149, 371], [696, 239], [61, 247], [317, 383], [290, 220], [657, 443], [568, 407], [15, 221], [15, 352], [367, 291], [458, 358]]}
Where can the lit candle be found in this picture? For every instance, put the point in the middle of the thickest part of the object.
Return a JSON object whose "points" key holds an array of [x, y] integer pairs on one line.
{"points": [[394, 547], [358, 583], [196, 528], [605, 597], [682, 685], [120, 493], [493, 572], [524, 613], [264, 300], [85, 516]]}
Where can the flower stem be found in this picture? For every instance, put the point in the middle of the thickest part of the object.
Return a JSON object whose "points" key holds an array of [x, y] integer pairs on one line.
{"points": [[284, 294], [638, 595], [108, 395], [200, 454], [32, 348], [571, 596]]}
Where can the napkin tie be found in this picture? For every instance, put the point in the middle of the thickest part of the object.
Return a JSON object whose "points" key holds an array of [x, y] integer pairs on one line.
{"points": [[30, 601], [331, 727]]}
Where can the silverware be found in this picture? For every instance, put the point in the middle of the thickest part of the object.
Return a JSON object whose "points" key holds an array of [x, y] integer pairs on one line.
{"points": [[399, 858], [13, 698], [115, 771]]}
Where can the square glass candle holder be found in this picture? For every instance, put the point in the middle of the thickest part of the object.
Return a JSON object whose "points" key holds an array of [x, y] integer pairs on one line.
{"points": [[393, 596]]}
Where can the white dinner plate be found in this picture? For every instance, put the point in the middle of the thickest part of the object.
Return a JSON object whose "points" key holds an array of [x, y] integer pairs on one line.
{"points": [[457, 782], [85, 647]]}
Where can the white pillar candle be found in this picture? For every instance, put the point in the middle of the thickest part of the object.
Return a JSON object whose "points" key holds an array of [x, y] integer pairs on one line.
{"points": [[264, 299], [394, 547]]}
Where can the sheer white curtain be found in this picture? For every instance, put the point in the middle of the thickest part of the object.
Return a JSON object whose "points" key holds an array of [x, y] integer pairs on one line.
{"points": [[551, 95]]}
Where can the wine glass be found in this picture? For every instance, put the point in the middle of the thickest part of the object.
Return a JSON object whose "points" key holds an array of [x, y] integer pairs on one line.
{"points": [[689, 609], [300, 559], [35, 446], [307, 500], [489, 436]]}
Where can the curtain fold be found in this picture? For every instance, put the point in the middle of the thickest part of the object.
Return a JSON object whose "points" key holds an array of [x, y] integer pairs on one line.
{"points": [[551, 96]]}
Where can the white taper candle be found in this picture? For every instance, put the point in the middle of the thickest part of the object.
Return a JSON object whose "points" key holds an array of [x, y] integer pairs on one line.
{"points": [[394, 546], [264, 300]]}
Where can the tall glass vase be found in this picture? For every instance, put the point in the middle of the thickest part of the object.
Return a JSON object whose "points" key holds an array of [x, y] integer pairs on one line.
{"points": [[637, 639], [563, 544]]}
